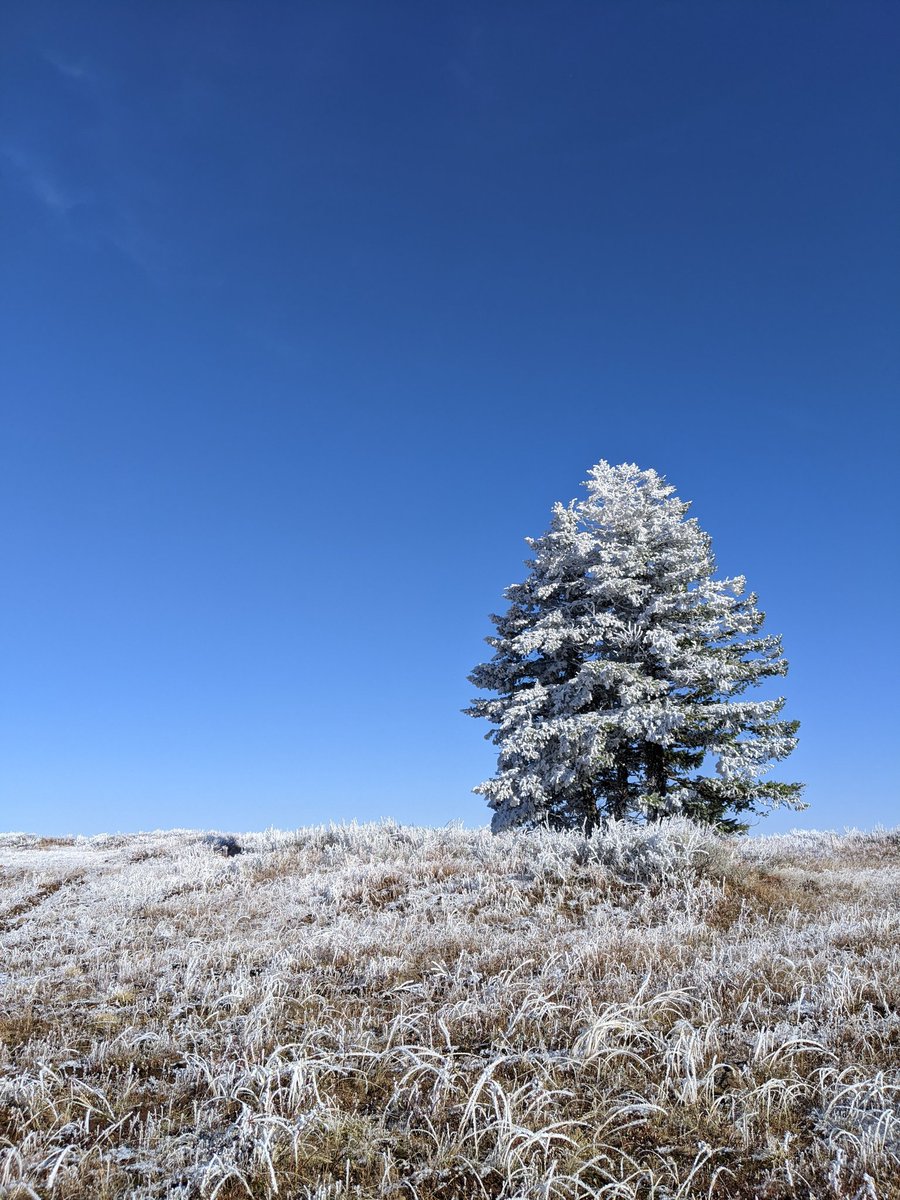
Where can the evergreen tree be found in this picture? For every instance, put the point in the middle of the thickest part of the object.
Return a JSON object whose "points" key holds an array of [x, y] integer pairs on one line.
{"points": [[620, 668]]}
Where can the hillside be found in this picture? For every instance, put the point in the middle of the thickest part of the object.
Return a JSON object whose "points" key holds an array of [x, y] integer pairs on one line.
{"points": [[383, 1011]]}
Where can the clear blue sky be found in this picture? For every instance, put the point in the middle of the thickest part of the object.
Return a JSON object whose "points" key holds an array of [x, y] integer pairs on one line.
{"points": [[310, 312]]}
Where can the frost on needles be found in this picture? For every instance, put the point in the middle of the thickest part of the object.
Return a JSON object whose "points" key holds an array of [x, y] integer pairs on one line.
{"points": [[619, 672]]}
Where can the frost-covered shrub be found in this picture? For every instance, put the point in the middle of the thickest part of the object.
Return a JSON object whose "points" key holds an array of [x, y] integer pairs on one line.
{"points": [[223, 844]]}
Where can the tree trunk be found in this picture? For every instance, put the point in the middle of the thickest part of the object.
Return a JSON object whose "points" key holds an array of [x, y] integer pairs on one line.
{"points": [[656, 774], [589, 810], [618, 808]]}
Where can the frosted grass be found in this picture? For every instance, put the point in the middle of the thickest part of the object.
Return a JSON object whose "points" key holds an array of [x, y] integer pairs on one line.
{"points": [[651, 1013]]}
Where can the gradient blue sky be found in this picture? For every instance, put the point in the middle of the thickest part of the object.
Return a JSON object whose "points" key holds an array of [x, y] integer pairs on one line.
{"points": [[310, 312]]}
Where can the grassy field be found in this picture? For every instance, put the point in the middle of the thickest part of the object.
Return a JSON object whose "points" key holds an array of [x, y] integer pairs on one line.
{"points": [[383, 1011]]}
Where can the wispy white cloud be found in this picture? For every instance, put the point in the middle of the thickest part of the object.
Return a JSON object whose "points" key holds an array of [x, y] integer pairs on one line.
{"points": [[79, 71], [38, 179], [85, 216], [81, 171], [135, 242]]}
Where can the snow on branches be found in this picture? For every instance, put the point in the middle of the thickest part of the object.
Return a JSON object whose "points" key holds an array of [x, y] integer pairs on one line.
{"points": [[619, 670]]}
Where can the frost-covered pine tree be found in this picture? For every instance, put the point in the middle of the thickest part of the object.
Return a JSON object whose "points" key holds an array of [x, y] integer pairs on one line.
{"points": [[619, 672]]}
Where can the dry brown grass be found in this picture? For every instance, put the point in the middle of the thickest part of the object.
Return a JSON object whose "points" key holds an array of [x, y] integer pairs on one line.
{"points": [[436, 1014]]}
